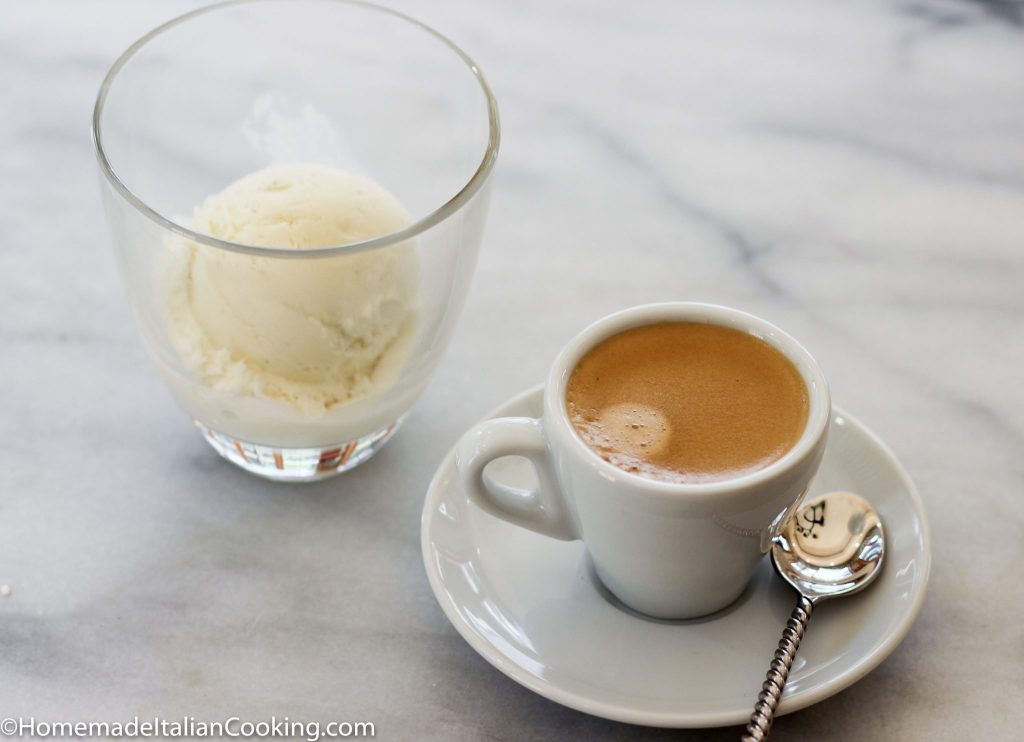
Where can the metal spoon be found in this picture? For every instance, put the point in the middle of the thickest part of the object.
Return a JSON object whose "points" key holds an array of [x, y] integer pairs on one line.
{"points": [[833, 547]]}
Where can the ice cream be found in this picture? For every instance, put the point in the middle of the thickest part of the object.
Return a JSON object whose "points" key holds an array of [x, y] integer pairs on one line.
{"points": [[312, 333]]}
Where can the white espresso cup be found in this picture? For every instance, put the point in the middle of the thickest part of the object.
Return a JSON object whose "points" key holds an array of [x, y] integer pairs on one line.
{"points": [[664, 549]]}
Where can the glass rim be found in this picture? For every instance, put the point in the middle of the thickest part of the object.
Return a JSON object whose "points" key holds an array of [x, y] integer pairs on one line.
{"points": [[438, 215]]}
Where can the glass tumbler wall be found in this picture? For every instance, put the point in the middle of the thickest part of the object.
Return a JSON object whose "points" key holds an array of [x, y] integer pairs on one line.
{"points": [[296, 361]]}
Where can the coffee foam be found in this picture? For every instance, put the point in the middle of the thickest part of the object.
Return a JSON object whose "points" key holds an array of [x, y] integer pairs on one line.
{"points": [[687, 402]]}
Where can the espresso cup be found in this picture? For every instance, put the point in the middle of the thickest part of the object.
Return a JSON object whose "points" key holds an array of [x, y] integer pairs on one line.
{"points": [[665, 549]]}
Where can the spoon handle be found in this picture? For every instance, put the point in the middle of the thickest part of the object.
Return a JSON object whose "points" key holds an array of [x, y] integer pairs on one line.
{"points": [[771, 690]]}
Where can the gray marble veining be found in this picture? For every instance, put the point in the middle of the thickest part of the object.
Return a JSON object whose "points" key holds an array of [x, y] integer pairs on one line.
{"points": [[850, 171]]}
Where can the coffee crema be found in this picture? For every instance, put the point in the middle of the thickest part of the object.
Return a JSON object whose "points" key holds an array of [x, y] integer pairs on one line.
{"points": [[687, 402]]}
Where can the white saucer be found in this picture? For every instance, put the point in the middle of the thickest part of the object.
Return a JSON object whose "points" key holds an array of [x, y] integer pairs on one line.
{"points": [[533, 608]]}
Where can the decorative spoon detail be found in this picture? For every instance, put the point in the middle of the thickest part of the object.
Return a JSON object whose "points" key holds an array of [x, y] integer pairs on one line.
{"points": [[832, 547]]}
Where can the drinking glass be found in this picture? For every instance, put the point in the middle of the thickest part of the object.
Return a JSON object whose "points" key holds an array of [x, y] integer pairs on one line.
{"points": [[236, 87]]}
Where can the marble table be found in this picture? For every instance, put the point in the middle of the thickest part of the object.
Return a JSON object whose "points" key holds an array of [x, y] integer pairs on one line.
{"points": [[852, 171]]}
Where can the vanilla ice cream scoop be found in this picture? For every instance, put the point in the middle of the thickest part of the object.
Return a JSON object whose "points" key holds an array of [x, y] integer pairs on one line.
{"points": [[311, 331]]}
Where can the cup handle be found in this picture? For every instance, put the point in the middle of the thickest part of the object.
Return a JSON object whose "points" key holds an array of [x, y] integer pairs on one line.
{"points": [[546, 509]]}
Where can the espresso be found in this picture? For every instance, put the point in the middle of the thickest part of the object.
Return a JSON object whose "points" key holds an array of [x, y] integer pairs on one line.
{"points": [[687, 402]]}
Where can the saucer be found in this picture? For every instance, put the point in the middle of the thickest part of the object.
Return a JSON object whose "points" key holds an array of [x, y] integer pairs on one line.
{"points": [[533, 607]]}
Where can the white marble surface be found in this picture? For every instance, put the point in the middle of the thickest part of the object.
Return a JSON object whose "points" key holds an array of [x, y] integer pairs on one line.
{"points": [[852, 171]]}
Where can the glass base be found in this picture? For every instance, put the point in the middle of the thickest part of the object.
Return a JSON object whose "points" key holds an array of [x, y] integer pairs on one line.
{"points": [[297, 464]]}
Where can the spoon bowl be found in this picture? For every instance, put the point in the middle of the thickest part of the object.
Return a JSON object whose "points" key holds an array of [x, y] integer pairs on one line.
{"points": [[833, 546]]}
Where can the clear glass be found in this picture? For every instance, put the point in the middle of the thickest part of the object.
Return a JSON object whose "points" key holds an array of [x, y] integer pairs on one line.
{"points": [[236, 87]]}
